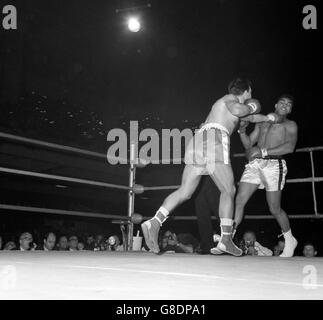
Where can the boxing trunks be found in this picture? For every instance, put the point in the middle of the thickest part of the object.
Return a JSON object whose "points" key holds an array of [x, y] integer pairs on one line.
{"points": [[209, 145], [269, 173]]}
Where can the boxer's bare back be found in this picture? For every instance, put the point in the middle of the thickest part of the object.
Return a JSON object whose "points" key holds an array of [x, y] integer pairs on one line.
{"points": [[221, 114]]}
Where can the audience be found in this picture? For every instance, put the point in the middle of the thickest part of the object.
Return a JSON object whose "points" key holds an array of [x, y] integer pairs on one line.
{"points": [[309, 250], [80, 246], [10, 245], [169, 241], [250, 246], [62, 244], [90, 243], [73, 243], [113, 244], [26, 242], [181, 243], [99, 243], [49, 242]]}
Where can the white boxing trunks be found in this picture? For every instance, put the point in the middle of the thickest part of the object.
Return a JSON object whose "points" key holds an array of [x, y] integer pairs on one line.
{"points": [[209, 145], [269, 173]]}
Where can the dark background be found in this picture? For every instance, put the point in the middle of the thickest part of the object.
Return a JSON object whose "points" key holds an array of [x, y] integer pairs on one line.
{"points": [[72, 71]]}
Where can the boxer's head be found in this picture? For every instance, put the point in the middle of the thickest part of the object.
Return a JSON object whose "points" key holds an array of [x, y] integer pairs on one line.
{"points": [[241, 88], [284, 104]]}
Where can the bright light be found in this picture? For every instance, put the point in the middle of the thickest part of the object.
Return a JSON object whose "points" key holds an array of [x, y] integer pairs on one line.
{"points": [[134, 24]]}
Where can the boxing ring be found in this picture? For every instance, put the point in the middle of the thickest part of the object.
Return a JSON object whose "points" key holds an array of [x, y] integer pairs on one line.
{"points": [[131, 274]]}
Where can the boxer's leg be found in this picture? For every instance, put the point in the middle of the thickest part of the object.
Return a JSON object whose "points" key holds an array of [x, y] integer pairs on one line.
{"points": [[274, 200], [222, 175], [245, 191], [190, 180]]}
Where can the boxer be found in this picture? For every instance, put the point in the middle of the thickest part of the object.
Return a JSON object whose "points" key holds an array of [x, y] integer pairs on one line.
{"points": [[208, 154], [266, 169]]}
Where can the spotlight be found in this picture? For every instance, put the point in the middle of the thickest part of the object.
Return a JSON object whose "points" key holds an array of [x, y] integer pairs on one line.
{"points": [[134, 24]]}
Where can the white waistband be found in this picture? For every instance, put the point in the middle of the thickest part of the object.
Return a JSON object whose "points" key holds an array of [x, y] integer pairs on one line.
{"points": [[214, 125]]}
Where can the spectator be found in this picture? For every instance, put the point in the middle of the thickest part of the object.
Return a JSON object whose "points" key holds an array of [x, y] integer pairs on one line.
{"points": [[0, 243], [250, 246], [26, 242], [99, 243], [49, 242], [80, 246], [10, 245], [90, 243], [62, 244], [73, 243], [188, 240], [277, 250], [181, 244], [113, 244], [309, 250]]}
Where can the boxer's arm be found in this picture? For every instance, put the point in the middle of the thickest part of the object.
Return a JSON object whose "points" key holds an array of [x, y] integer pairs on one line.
{"points": [[249, 141], [255, 118], [238, 109], [289, 145]]}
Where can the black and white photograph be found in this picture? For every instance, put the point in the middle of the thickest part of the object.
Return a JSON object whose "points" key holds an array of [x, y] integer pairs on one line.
{"points": [[161, 155]]}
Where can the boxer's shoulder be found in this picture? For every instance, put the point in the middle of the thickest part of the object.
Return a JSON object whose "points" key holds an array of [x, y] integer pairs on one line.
{"points": [[291, 123], [229, 98], [291, 126]]}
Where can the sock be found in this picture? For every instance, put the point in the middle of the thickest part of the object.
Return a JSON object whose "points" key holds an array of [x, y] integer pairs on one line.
{"points": [[288, 235], [226, 227], [161, 215]]}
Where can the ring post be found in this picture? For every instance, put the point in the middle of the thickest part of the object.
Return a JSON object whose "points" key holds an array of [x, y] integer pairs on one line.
{"points": [[313, 183], [131, 193]]}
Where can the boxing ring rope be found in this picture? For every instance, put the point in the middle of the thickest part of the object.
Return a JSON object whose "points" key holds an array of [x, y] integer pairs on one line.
{"points": [[59, 211], [132, 187], [50, 145], [311, 179]]}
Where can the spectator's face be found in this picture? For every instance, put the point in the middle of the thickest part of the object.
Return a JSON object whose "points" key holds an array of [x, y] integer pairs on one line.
{"points": [[309, 251], [73, 242], [10, 245], [99, 237], [25, 241], [63, 243], [112, 241], [277, 251], [249, 237], [166, 237], [80, 246], [50, 242], [90, 240]]}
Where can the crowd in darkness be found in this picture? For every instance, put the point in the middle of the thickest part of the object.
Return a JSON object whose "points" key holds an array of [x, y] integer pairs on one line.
{"points": [[169, 242], [36, 115], [50, 241]]}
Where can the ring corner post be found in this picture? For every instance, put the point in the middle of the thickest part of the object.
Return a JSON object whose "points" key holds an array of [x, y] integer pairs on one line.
{"points": [[131, 194]]}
